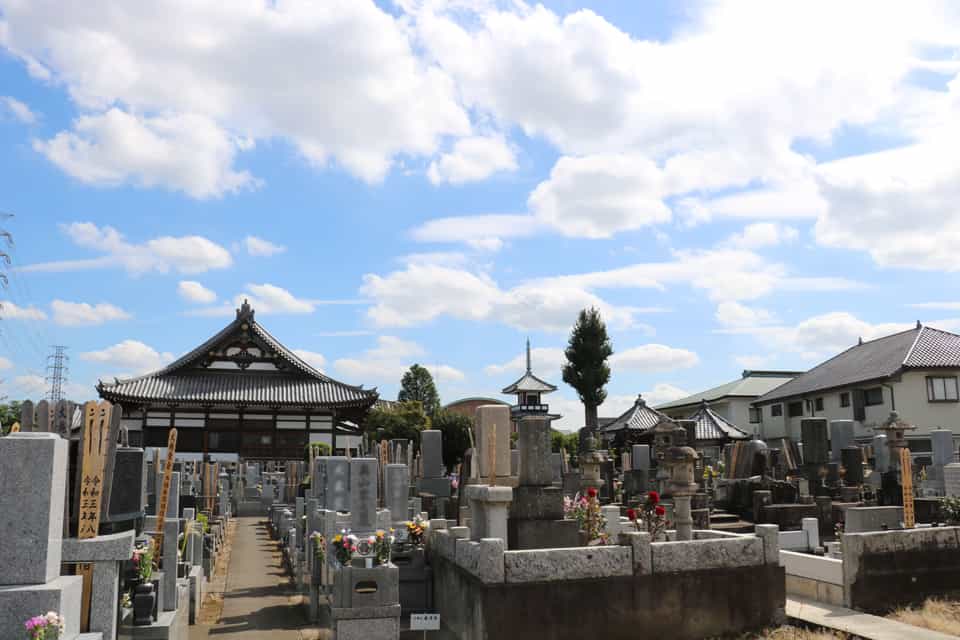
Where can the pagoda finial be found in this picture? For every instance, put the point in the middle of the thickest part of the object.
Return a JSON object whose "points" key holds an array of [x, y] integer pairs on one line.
{"points": [[528, 356], [640, 401], [919, 325]]}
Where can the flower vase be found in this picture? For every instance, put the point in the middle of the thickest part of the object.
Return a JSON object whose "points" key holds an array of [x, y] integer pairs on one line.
{"points": [[144, 600], [368, 563]]}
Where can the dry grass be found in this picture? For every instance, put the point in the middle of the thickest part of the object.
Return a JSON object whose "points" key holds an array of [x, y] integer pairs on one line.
{"points": [[796, 633], [936, 615]]}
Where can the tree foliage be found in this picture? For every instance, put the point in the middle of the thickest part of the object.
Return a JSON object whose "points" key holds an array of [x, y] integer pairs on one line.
{"points": [[586, 369], [456, 436], [417, 385], [402, 420], [9, 413], [569, 442]]}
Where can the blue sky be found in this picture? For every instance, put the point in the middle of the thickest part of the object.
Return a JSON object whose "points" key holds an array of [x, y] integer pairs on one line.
{"points": [[734, 185]]}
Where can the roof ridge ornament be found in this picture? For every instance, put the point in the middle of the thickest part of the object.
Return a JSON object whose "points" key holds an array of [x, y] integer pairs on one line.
{"points": [[245, 310]]}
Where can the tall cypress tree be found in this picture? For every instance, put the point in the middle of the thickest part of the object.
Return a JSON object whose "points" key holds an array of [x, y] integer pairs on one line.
{"points": [[586, 369], [417, 385]]}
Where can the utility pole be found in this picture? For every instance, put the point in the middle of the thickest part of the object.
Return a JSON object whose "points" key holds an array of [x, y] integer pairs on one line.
{"points": [[57, 372]]}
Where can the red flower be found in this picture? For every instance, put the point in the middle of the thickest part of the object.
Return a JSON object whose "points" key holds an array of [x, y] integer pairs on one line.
{"points": [[631, 515], [660, 510], [592, 492], [653, 497]]}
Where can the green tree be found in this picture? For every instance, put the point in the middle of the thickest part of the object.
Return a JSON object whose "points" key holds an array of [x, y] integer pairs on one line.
{"points": [[561, 441], [402, 420], [456, 436], [9, 413], [586, 369], [417, 385]]}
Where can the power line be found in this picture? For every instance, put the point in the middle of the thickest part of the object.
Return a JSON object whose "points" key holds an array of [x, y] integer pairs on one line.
{"points": [[57, 372]]}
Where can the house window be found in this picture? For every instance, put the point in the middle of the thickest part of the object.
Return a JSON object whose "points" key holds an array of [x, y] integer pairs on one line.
{"points": [[845, 399], [795, 409], [942, 389], [755, 417], [873, 396], [776, 410], [818, 404]]}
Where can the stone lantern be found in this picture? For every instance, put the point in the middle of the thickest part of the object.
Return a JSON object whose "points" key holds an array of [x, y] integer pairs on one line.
{"points": [[590, 460], [679, 462]]}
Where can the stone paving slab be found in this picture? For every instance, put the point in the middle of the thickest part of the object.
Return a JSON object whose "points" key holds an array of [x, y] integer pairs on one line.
{"points": [[859, 624]]}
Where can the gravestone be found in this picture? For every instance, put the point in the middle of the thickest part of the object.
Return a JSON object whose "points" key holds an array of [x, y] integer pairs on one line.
{"points": [[556, 465], [397, 489], [363, 495], [951, 479], [943, 448], [318, 481], [338, 484], [128, 497], [431, 450], [607, 471], [640, 457], [490, 417], [33, 477], [841, 436], [816, 446], [852, 459], [881, 453]]}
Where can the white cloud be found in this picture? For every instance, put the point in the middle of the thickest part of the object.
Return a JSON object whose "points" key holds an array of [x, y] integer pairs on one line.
{"points": [[388, 361], [259, 247], [231, 77], [754, 362], [950, 306], [184, 152], [314, 359], [129, 357], [31, 385], [420, 293], [760, 235], [598, 196], [734, 314], [184, 254], [5, 363], [83, 314], [653, 357], [269, 298], [18, 110], [11, 311], [546, 361], [486, 232], [473, 159], [663, 392], [193, 291], [820, 336]]}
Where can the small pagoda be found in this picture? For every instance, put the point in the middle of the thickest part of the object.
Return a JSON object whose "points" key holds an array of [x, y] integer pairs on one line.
{"points": [[529, 390]]}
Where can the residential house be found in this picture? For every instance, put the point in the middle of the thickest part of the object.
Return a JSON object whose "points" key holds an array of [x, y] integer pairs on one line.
{"points": [[913, 372]]}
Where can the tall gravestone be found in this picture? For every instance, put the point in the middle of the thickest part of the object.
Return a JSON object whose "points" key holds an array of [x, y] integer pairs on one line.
{"points": [[431, 456], [841, 437], [536, 513], [494, 419], [881, 453], [397, 490], [338, 484], [363, 495], [33, 477], [318, 481], [941, 441]]}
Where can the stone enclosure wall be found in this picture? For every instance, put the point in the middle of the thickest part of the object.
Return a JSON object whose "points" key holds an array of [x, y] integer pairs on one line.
{"points": [[703, 588], [886, 569]]}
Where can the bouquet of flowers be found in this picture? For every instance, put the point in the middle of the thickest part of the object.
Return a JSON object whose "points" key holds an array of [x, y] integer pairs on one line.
{"points": [[319, 547], [416, 529], [143, 561], [950, 508], [45, 627], [382, 544], [651, 517], [344, 546], [586, 511]]}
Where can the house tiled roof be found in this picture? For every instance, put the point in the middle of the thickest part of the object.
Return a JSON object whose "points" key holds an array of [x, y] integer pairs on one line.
{"points": [[713, 426], [187, 381], [752, 384], [638, 418], [918, 348]]}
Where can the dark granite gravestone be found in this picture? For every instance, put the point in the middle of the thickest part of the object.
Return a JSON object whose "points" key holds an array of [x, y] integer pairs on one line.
{"points": [[128, 498], [852, 460], [607, 471]]}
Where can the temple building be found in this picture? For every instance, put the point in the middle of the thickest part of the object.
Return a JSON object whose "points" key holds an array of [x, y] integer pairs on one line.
{"points": [[529, 390], [241, 394]]}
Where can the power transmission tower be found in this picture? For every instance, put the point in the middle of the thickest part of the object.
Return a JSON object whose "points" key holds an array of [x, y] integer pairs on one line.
{"points": [[57, 372]]}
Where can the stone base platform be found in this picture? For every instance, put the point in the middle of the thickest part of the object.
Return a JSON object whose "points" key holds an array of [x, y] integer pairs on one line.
{"points": [[542, 534], [21, 602], [170, 625], [366, 623]]}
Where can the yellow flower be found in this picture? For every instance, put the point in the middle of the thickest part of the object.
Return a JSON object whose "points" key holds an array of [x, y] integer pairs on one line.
{"points": [[337, 538]]}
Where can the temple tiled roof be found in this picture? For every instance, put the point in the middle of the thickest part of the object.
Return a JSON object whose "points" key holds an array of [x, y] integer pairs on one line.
{"points": [[638, 418], [530, 382], [286, 380], [713, 426], [918, 348]]}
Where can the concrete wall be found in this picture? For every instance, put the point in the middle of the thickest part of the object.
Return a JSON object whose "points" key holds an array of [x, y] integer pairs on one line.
{"points": [[910, 394], [888, 569], [709, 587], [813, 577]]}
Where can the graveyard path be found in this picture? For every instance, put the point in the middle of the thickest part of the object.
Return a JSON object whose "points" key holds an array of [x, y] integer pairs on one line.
{"points": [[259, 601]]}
